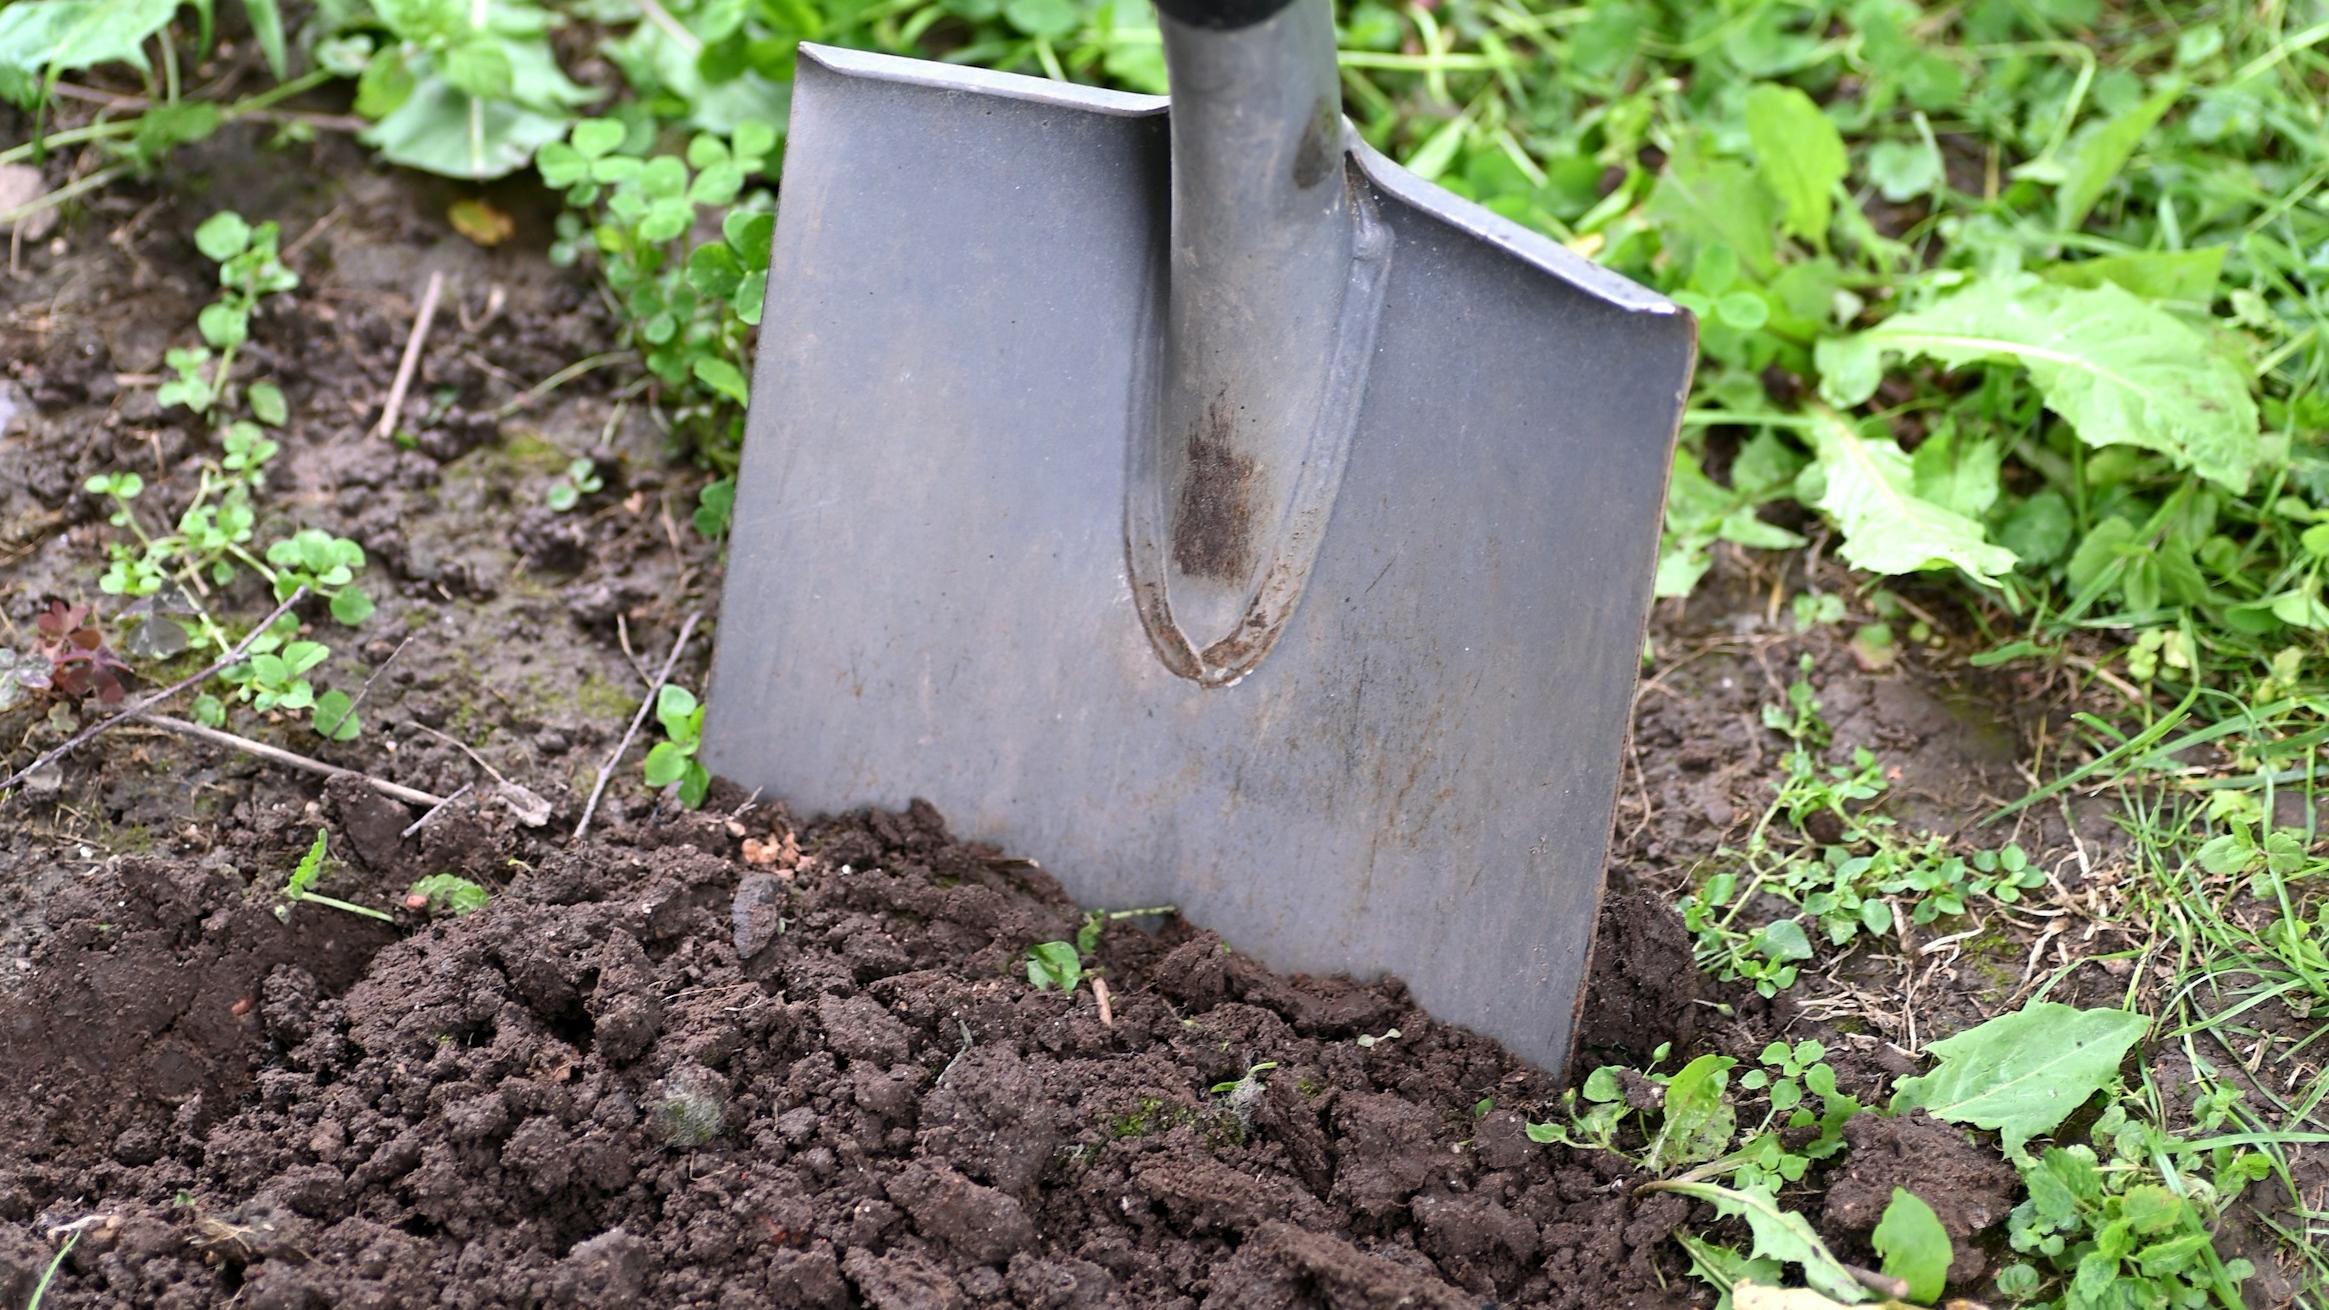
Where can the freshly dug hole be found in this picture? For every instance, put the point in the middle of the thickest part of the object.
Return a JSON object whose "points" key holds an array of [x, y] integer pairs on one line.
{"points": [[581, 1094]]}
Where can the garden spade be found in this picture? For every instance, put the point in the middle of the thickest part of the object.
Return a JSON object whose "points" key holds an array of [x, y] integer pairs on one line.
{"points": [[1189, 499]]}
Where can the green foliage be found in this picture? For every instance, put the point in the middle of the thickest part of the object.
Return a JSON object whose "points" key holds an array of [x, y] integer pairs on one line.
{"points": [[672, 761], [1846, 883], [2129, 1221], [1800, 153], [446, 893], [1914, 1246], [580, 479], [1054, 964], [713, 506], [1691, 1117], [249, 271], [2025, 1072], [299, 888], [690, 306], [2118, 369], [1780, 1234], [459, 89]]}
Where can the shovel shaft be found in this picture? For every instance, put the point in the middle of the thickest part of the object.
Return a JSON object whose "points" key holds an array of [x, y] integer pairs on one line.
{"points": [[1259, 365]]}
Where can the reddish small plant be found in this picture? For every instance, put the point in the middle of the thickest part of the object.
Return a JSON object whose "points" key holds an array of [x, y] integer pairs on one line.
{"points": [[81, 664]]}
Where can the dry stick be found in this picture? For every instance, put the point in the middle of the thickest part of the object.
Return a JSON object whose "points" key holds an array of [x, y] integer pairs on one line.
{"points": [[293, 759], [607, 770], [410, 364], [423, 821], [361, 692], [88, 734]]}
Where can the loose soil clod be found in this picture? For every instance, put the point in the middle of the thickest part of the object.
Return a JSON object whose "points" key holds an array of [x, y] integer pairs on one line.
{"points": [[603, 1086]]}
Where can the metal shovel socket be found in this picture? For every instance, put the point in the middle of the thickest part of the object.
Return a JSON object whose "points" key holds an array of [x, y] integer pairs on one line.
{"points": [[1274, 284]]}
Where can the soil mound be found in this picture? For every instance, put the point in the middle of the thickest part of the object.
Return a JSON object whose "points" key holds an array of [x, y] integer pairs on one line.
{"points": [[653, 1070]]}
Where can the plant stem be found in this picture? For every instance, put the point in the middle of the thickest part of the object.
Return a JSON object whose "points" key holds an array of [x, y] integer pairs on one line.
{"points": [[9, 218], [349, 906]]}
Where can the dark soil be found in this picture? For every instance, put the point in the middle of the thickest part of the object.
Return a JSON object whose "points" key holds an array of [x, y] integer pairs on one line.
{"points": [[653, 1071]]}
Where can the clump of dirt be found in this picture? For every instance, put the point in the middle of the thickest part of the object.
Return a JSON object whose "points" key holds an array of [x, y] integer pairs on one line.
{"points": [[1970, 1189], [654, 1070]]}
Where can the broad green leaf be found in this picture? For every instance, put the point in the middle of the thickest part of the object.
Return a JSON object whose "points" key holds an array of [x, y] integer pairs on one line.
{"points": [[1915, 1247], [387, 82], [480, 67], [666, 764], [42, 39], [694, 785], [714, 271], [2121, 371], [1958, 475], [1780, 1234], [1866, 486], [650, 58], [351, 606], [2038, 530], [222, 236], [673, 707], [1701, 201], [267, 403], [750, 231], [723, 377], [597, 137], [224, 324], [1801, 154], [439, 130], [1904, 170], [2102, 154], [2189, 276], [1699, 1122], [2023, 1073], [1054, 964], [336, 718], [1781, 939]]}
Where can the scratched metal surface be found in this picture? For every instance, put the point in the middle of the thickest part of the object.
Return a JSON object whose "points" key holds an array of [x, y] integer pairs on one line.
{"points": [[927, 591]]}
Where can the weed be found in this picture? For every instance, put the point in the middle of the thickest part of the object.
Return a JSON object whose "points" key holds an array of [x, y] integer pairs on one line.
{"points": [[299, 888], [713, 507], [1822, 847], [249, 270], [1064, 964], [446, 893], [72, 657], [672, 761], [580, 479], [690, 310], [1054, 964], [1239, 1096]]}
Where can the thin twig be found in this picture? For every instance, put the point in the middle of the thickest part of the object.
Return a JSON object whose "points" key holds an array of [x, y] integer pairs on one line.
{"points": [[410, 364], [91, 733], [423, 821], [293, 759], [607, 770], [559, 379], [361, 692]]}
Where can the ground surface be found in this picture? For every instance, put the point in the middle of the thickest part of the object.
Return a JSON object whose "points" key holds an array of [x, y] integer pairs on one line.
{"points": [[655, 1067]]}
